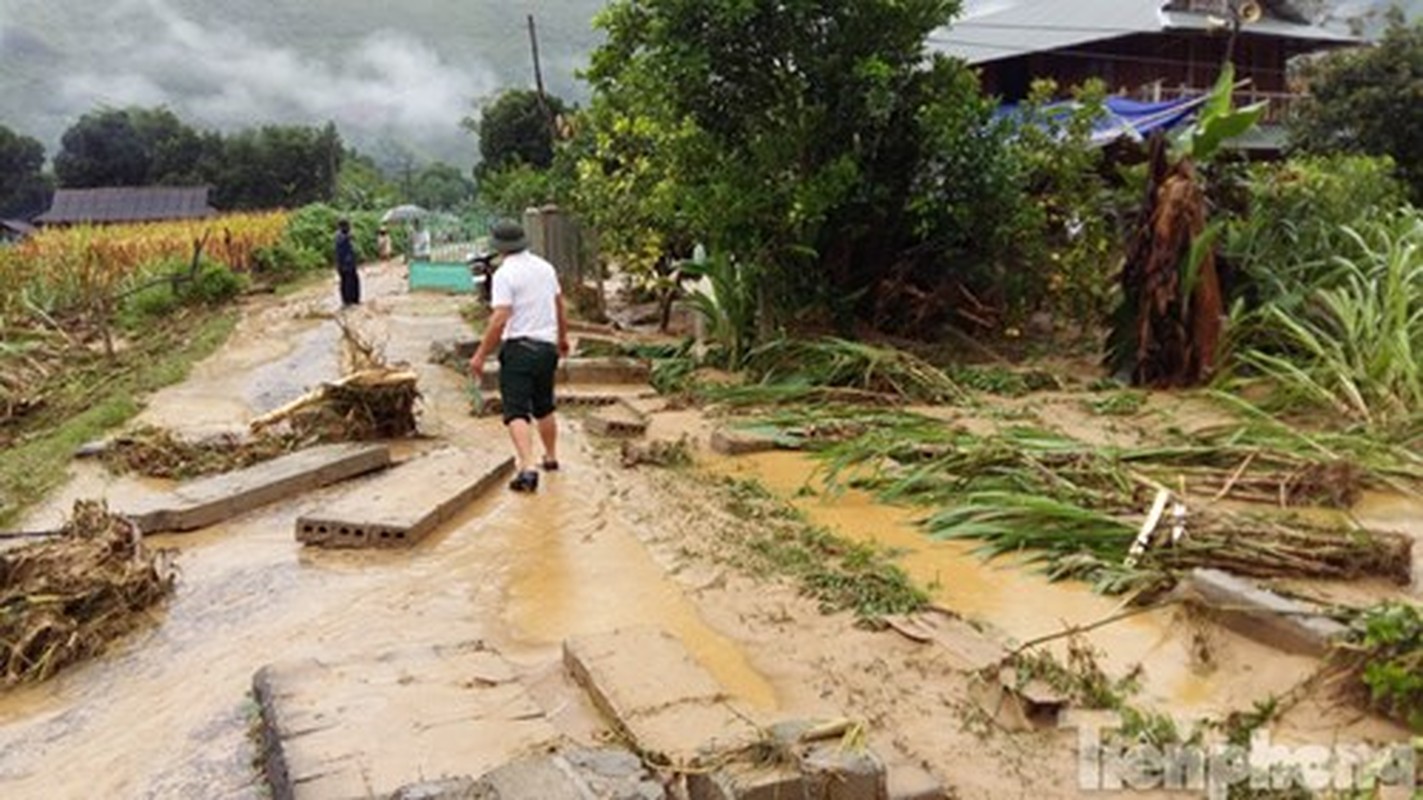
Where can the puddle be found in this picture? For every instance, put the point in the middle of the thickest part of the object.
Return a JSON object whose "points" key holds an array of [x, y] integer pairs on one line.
{"points": [[1024, 605], [575, 569]]}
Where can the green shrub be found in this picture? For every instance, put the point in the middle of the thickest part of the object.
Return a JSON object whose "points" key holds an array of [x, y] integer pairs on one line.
{"points": [[1296, 216], [285, 261], [1391, 635], [1351, 340], [214, 285]]}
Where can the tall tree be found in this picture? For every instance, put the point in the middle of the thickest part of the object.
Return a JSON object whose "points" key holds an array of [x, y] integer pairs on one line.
{"points": [[280, 167], [814, 136], [104, 148], [1365, 100], [517, 128], [23, 186], [135, 147]]}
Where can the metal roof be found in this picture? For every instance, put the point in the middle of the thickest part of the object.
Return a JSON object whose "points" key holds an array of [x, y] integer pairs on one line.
{"points": [[127, 204], [992, 30]]}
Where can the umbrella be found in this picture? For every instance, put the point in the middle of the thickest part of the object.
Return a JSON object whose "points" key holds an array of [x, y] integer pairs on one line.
{"points": [[403, 213]]}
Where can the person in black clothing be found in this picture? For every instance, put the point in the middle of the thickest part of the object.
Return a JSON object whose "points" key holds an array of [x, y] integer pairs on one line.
{"points": [[346, 265]]}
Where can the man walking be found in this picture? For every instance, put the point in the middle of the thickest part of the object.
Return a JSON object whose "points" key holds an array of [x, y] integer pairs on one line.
{"points": [[529, 326]]}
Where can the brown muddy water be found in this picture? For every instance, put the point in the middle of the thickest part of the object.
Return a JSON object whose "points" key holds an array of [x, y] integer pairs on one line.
{"points": [[1191, 669], [166, 713]]}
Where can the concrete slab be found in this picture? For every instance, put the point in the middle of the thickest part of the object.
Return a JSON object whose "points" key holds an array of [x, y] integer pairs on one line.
{"points": [[655, 693], [366, 727], [618, 420], [211, 500], [400, 508], [494, 404], [1264, 615], [595, 371]]}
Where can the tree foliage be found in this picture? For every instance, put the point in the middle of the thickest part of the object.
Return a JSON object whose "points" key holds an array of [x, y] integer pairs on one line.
{"points": [[1366, 101], [813, 137], [279, 167], [23, 185], [517, 128], [268, 167], [441, 186]]}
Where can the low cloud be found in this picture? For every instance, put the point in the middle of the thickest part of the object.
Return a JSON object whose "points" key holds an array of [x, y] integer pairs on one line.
{"points": [[386, 85]]}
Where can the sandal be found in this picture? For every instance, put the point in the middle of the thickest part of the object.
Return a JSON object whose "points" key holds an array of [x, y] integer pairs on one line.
{"points": [[525, 482], [550, 464]]}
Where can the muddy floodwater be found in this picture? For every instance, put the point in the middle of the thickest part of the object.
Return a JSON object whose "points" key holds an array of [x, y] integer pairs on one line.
{"points": [[167, 713]]}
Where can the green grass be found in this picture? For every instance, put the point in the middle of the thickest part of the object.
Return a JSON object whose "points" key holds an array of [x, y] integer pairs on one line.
{"points": [[36, 466]]}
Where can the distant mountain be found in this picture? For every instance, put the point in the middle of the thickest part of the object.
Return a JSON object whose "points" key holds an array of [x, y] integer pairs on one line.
{"points": [[395, 77]]}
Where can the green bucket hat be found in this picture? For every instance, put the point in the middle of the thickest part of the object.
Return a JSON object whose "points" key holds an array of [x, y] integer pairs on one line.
{"points": [[507, 236]]}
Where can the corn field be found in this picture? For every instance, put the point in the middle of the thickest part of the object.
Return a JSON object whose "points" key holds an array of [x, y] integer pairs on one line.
{"points": [[62, 270]]}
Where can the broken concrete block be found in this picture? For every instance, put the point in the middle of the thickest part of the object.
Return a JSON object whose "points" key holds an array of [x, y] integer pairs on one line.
{"points": [[401, 507], [653, 691], [1264, 615], [211, 500], [575, 775], [734, 442], [618, 419], [746, 782], [366, 727], [833, 772]]}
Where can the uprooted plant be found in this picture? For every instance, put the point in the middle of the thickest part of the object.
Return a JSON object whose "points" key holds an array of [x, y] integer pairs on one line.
{"points": [[1076, 508], [67, 598], [1384, 657]]}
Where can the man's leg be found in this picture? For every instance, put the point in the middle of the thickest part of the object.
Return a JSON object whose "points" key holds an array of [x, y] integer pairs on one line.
{"points": [[522, 437], [548, 434], [516, 386], [543, 403]]}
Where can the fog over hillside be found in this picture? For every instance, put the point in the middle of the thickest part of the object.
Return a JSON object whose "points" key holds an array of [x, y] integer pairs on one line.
{"points": [[386, 73], [390, 75]]}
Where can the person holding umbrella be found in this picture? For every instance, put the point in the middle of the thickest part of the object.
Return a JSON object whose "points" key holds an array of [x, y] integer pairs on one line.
{"points": [[529, 326]]}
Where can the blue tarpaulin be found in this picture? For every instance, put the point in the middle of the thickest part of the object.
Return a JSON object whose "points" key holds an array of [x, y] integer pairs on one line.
{"points": [[1122, 117]]}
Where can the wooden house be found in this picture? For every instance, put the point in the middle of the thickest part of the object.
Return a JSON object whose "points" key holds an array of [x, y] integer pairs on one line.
{"points": [[1149, 50]]}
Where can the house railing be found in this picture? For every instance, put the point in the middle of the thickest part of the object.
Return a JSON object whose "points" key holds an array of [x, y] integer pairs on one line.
{"points": [[1277, 109]]}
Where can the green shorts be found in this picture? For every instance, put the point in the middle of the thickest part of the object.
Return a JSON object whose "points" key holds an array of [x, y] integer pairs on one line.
{"points": [[526, 372]]}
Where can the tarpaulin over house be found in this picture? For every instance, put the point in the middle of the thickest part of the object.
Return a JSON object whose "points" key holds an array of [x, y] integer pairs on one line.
{"points": [[1120, 117]]}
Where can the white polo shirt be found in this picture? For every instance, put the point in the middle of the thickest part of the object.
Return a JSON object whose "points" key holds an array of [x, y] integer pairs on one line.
{"points": [[528, 285]]}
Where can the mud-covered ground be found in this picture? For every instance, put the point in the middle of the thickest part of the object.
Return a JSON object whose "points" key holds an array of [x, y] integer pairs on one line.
{"points": [[166, 713]]}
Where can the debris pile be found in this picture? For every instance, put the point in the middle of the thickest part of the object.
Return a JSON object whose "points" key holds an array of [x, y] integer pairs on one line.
{"points": [[160, 453], [67, 598], [374, 400]]}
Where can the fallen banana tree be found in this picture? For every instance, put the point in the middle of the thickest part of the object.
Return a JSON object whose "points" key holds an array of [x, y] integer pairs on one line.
{"points": [[67, 598]]}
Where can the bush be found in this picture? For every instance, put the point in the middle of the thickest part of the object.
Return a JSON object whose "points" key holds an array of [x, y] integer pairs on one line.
{"points": [[284, 261], [1296, 216], [214, 285]]}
